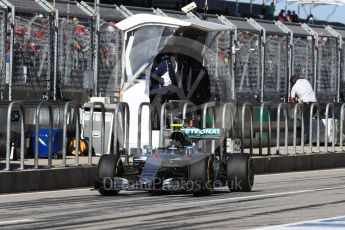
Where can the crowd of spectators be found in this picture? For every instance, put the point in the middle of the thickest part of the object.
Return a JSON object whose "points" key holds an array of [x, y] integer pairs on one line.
{"points": [[288, 17]]}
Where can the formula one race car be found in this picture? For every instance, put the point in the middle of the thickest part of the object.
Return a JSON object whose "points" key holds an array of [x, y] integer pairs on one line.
{"points": [[180, 166]]}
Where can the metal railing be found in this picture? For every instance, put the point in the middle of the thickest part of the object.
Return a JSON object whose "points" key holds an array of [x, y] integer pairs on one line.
{"points": [[163, 120], [342, 113], [232, 116], [298, 107], [38, 112], [68, 106], [186, 105], [22, 133], [122, 116], [280, 107], [268, 106], [139, 125], [251, 109], [92, 109], [311, 127], [123, 109], [328, 106], [204, 122]]}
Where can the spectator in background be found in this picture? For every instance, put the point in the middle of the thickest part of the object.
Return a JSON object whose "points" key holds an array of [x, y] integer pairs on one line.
{"points": [[281, 16], [289, 16], [111, 26], [80, 39], [310, 19], [263, 12], [270, 11], [295, 17]]}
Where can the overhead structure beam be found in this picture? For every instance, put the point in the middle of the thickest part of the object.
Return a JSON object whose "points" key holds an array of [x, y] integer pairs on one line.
{"points": [[291, 47], [122, 12], [339, 52], [159, 12], [192, 16], [86, 9], [127, 11], [262, 30], [315, 51]]}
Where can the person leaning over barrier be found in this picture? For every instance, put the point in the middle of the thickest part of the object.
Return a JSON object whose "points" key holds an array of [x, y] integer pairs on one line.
{"points": [[302, 92]]}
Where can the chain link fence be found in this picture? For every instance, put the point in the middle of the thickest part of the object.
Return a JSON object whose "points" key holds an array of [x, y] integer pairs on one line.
{"points": [[303, 58], [247, 66], [75, 53], [276, 72], [110, 48], [4, 54], [32, 55]]}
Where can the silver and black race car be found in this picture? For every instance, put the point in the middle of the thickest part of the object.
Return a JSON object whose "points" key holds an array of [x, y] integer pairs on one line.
{"points": [[180, 166]]}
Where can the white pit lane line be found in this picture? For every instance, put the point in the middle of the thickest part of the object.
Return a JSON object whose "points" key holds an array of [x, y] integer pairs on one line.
{"points": [[267, 195], [8, 222], [45, 192], [326, 223]]}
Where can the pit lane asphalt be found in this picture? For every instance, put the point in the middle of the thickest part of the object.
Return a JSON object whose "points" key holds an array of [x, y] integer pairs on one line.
{"points": [[275, 199]]}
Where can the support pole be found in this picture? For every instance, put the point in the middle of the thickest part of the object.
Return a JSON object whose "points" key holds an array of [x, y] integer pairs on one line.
{"points": [[262, 31], [339, 51]]}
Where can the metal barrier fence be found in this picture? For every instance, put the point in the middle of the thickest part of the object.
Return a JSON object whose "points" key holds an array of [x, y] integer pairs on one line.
{"points": [[247, 70], [251, 109], [22, 133], [294, 113], [3, 53], [298, 108], [256, 67], [123, 109], [328, 106], [75, 53], [311, 127], [276, 78], [32, 52], [268, 106], [163, 120], [110, 48], [139, 125], [303, 58], [280, 107], [68, 106], [38, 113], [93, 105]]}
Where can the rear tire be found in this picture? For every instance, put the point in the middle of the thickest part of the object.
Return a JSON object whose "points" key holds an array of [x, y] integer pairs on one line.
{"points": [[109, 166], [240, 173], [202, 174]]}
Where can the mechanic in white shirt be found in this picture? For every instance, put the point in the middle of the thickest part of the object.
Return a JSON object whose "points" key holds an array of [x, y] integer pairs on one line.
{"points": [[302, 92]]}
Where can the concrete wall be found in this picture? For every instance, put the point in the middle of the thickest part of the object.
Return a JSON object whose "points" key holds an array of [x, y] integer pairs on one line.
{"points": [[72, 177], [46, 179]]}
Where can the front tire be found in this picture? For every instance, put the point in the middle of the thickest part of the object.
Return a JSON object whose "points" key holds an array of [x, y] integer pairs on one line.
{"points": [[109, 166], [240, 173], [201, 173]]}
